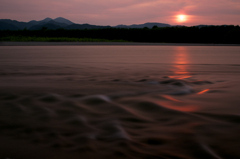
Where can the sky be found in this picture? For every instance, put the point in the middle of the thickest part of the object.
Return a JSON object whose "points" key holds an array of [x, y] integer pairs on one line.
{"points": [[115, 12]]}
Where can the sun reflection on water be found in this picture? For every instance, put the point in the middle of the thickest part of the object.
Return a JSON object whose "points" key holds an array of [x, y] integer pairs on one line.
{"points": [[204, 91], [177, 104], [181, 62]]}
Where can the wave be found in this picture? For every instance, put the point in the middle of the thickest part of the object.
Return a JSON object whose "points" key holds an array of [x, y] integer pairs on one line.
{"points": [[124, 126]]}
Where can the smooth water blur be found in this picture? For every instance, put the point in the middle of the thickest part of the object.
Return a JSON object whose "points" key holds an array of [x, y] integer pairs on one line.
{"points": [[175, 61], [120, 101], [73, 55]]}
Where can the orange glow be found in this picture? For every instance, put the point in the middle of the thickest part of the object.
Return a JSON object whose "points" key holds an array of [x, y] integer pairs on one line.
{"points": [[171, 98], [184, 109], [182, 18], [204, 91], [178, 105], [180, 63]]}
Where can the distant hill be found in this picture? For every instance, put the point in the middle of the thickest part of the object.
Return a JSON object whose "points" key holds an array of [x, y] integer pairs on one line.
{"points": [[47, 25], [46, 20], [148, 25], [63, 20], [8, 24], [85, 26], [17, 24], [200, 26]]}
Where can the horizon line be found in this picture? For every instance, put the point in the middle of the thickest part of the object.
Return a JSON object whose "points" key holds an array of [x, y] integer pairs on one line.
{"points": [[126, 24]]}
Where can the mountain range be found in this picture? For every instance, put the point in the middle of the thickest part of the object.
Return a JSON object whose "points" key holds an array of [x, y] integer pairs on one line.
{"points": [[58, 23]]}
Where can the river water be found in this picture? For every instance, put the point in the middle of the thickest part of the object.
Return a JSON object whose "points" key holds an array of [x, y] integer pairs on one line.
{"points": [[120, 101]]}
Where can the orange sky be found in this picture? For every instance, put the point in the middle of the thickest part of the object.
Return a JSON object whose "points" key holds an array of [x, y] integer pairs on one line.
{"points": [[114, 12]]}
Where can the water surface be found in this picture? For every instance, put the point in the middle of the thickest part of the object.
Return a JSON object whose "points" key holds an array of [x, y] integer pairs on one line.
{"points": [[120, 101]]}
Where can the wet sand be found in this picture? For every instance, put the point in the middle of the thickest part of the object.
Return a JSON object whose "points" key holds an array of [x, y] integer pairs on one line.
{"points": [[128, 110]]}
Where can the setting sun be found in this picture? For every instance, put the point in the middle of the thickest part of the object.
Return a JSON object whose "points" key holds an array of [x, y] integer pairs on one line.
{"points": [[181, 18]]}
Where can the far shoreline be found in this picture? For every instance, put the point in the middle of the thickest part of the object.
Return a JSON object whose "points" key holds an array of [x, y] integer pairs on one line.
{"points": [[106, 44]]}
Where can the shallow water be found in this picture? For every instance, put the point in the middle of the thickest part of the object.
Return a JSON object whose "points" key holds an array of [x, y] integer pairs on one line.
{"points": [[120, 101]]}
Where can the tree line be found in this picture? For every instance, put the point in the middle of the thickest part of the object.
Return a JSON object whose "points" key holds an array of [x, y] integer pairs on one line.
{"points": [[226, 34]]}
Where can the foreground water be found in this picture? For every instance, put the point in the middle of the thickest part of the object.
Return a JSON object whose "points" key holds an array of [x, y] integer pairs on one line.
{"points": [[119, 102]]}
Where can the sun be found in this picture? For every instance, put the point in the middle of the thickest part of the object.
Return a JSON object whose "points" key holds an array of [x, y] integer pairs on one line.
{"points": [[181, 18]]}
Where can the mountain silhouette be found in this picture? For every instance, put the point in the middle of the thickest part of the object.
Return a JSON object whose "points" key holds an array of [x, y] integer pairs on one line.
{"points": [[148, 25], [85, 26], [63, 20], [7, 26], [49, 23], [17, 24], [46, 20]]}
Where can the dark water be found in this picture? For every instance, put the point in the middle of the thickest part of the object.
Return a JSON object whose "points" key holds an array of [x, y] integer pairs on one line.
{"points": [[120, 101], [161, 60], [123, 54]]}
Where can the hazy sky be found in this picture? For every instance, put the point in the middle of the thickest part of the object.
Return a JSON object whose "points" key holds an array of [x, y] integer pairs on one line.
{"points": [[114, 12]]}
